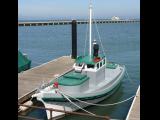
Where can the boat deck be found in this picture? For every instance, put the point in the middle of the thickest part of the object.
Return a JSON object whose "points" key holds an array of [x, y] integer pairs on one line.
{"points": [[134, 112], [29, 80]]}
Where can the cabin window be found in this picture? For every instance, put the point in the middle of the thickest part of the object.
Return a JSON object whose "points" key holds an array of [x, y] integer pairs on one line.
{"points": [[79, 64], [90, 66], [104, 61], [97, 65], [100, 64]]}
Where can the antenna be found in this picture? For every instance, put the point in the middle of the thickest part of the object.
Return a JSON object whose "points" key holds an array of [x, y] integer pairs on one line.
{"points": [[90, 28]]}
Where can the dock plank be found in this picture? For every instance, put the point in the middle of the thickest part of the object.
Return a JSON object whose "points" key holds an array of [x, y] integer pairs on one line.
{"points": [[134, 112], [33, 78]]}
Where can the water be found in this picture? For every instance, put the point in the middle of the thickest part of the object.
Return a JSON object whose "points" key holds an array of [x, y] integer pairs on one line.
{"points": [[122, 45]]}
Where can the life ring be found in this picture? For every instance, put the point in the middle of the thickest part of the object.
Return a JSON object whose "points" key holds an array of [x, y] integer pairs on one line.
{"points": [[97, 59]]}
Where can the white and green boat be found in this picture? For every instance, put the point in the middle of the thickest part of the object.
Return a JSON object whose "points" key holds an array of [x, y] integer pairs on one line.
{"points": [[92, 80]]}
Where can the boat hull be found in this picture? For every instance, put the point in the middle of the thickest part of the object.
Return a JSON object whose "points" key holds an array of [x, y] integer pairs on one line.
{"points": [[94, 99], [67, 106], [100, 92]]}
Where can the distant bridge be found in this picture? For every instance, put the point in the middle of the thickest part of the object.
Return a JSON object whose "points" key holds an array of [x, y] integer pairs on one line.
{"points": [[65, 22]]}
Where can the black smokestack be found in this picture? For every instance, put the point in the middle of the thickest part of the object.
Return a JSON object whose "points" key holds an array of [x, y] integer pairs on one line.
{"points": [[74, 39]]}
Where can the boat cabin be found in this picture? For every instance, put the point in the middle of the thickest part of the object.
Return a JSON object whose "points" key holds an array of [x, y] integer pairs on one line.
{"points": [[88, 63], [88, 72], [93, 67]]}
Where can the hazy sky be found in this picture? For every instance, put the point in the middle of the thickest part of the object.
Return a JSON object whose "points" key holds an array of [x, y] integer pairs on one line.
{"points": [[76, 9]]}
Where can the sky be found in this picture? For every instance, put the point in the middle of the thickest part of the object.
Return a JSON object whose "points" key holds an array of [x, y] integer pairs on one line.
{"points": [[77, 9]]}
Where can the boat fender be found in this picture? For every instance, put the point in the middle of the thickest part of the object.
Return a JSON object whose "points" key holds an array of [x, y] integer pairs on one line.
{"points": [[55, 84]]}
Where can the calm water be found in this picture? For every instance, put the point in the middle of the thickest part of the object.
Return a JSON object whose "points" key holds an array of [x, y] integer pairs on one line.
{"points": [[121, 43]]}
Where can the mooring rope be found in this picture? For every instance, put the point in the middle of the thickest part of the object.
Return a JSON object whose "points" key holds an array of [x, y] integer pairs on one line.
{"points": [[127, 75], [75, 103], [79, 106], [102, 105]]}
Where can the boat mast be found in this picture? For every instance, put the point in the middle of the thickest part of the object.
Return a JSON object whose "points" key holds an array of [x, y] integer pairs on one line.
{"points": [[90, 29]]}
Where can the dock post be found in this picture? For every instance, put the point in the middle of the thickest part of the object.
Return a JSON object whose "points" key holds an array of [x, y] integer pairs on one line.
{"points": [[50, 114], [74, 39]]}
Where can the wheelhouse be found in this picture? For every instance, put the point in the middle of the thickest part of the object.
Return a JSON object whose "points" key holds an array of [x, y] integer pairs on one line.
{"points": [[89, 63]]}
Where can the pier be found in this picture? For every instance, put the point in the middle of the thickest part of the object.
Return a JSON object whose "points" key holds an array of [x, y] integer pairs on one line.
{"points": [[30, 80], [134, 111], [67, 22]]}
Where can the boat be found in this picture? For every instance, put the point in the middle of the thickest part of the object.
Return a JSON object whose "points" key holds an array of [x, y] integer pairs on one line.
{"points": [[23, 62], [92, 80]]}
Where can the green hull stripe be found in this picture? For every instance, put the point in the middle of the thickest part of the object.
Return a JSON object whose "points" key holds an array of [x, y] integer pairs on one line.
{"points": [[85, 98]]}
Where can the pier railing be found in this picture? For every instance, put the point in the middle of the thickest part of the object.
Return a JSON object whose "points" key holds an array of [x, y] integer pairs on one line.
{"points": [[56, 110], [66, 22]]}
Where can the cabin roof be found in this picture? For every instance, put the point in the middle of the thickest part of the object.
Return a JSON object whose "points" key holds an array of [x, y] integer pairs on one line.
{"points": [[72, 79], [86, 59]]}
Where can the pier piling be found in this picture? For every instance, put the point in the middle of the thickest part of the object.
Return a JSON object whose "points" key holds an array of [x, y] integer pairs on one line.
{"points": [[74, 39]]}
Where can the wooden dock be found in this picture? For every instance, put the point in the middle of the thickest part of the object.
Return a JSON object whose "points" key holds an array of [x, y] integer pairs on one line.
{"points": [[134, 112], [31, 79]]}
